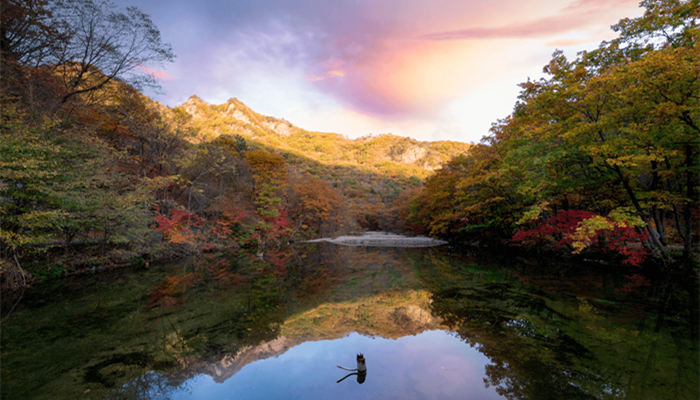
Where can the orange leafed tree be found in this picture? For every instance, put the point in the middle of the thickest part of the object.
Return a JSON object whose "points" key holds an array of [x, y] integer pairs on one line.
{"points": [[315, 202]]}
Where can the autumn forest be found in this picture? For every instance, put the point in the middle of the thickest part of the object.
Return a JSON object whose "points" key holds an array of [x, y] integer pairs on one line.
{"points": [[600, 156], [597, 165]]}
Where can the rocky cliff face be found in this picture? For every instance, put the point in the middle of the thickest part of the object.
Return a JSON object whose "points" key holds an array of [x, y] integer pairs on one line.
{"points": [[194, 106]]}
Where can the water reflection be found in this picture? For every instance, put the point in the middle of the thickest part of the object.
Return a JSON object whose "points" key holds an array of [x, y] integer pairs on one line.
{"points": [[231, 327], [433, 364], [607, 342], [360, 371]]}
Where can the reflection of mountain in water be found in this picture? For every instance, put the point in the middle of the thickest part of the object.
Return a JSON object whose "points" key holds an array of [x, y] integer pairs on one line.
{"points": [[387, 315], [568, 335], [371, 291]]}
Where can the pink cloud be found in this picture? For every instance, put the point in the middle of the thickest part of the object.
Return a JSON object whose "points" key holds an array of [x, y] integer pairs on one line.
{"points": [[569, 42], [579, 5], [156, 73], [386, 72], [580, 14]]}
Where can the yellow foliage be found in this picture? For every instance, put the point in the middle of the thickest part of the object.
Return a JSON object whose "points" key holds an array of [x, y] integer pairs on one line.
{"points": [[533, 212], [624, 217], [586, 231]]}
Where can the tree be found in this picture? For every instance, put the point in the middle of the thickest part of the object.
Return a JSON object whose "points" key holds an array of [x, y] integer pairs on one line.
{"points": [[270, 176], [152, 136], [89, 43], [104, 44], [612, 133], [207, 172], [27, 30], [468, 197], [314, 203], [48, 199]]}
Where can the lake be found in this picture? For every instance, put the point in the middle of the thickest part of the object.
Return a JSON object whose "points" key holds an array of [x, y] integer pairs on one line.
{"points": [[431, 323]]}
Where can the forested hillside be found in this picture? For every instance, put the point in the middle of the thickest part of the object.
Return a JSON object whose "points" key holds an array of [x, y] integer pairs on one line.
{"points": [[96, 175], [601, 155], [153, 250], [372, 174], [386, 154]]}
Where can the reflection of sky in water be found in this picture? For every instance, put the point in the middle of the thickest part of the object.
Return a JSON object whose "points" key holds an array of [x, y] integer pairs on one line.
{"points": [[431, 365]]}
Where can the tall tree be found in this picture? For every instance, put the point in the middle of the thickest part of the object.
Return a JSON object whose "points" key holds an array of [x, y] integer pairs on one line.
{"points": [[90, 43], [28, 32], [612, 132], [106, 44]]}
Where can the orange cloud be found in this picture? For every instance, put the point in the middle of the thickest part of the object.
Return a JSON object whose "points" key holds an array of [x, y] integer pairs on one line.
{"points": [[402, 76], [335, 73]]}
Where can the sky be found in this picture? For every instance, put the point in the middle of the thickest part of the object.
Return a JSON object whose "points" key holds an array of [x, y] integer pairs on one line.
{"points": [[427, 69]]}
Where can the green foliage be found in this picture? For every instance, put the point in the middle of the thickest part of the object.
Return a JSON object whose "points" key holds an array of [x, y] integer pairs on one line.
{"points": [[59, 187], [543, 342], [614, 129], [235, 142]]}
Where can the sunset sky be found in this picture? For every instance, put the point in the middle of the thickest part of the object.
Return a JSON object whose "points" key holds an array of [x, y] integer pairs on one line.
{"points": [[429, 69]]}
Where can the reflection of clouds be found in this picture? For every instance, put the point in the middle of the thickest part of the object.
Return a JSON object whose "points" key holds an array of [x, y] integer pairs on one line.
{"points": [[445, 369], [431, 365]]}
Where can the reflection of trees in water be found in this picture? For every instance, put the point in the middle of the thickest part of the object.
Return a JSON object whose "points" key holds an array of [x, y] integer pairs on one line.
{"points": [[148, 386], [367, 290], [182, 321], [87, 336], [545, 344]]}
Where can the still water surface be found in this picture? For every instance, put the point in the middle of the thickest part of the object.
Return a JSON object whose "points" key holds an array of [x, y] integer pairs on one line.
{"points": [[432, 364], [431, 324]]}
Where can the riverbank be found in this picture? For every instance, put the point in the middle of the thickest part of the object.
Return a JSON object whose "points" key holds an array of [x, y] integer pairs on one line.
{"points": [[380, 239]]}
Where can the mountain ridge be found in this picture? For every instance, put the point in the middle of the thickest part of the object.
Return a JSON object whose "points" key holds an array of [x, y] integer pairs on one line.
{"points": [[399, 155]]}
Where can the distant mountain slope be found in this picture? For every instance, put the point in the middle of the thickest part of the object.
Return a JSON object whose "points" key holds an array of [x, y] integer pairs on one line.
{"points": [[386, 154]]}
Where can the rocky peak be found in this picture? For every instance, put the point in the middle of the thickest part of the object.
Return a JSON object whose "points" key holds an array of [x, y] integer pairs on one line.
{"points": [[194, 99], [233, 117], [236, 109], [193, 105]]}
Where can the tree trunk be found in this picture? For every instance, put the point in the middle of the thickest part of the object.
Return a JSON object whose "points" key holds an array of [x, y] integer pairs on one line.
{"points": [[690, 181], [653, 235]]}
